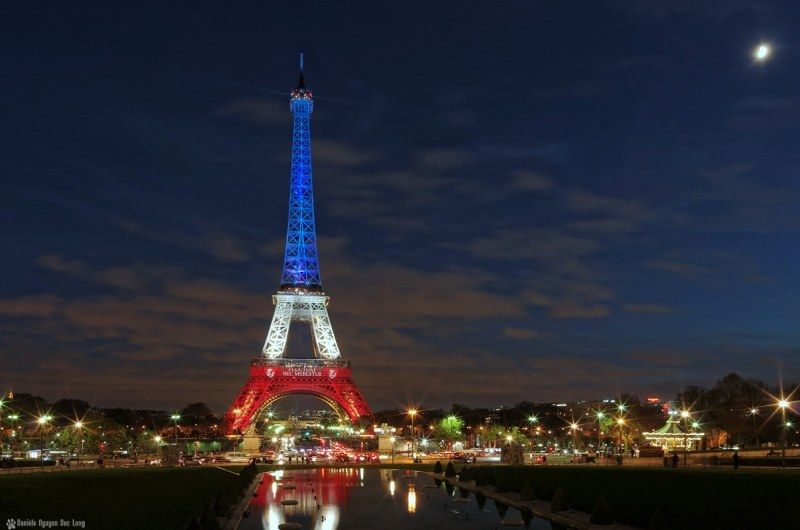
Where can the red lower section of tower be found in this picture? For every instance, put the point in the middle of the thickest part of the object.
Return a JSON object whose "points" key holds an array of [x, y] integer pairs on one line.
{"points": [[271, 379]]}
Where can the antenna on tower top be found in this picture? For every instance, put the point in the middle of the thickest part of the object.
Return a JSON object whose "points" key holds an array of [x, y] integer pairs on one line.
{"points": [[301, 82]]}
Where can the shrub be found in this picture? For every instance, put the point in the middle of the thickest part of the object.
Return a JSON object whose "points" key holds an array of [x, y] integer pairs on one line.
{"points": [[481, 498], [194, 524], [601, 515], [450, 471], [221, 505], [527, 493], [502, 484], [501, 508], [208, 521], [437, 467], [658, 521], [559, 501]]}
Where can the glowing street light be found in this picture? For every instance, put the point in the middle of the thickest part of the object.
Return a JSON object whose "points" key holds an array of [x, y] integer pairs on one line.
{"points": [[783, 404], [43, 420], [412, 412], [684, 414], [762, 52], [175, 418]]}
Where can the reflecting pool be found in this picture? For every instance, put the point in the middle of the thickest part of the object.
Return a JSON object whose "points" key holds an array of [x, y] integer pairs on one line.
{"points": [[359, 498]]}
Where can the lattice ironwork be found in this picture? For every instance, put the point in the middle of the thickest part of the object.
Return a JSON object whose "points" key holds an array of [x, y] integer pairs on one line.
{"points": [[300, 298], [271, 380], [301, 264]]}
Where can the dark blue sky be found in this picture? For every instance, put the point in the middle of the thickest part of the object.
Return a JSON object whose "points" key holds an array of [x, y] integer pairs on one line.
{"points": [[544, 200]]}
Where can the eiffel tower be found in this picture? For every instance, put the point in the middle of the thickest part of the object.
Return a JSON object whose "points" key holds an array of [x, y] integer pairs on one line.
{"points": [[300, 299]]}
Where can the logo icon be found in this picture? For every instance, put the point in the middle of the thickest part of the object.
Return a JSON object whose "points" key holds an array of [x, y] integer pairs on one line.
{"points": [[270, 373], [332, 373], [11, 524]]}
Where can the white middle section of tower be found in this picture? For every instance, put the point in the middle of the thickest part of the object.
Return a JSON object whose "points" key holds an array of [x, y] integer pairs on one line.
{"points": [[295, 307]]}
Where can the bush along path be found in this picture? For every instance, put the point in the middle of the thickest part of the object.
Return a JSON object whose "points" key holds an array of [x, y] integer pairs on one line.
{"points": [[230, 504], [499, 487]]}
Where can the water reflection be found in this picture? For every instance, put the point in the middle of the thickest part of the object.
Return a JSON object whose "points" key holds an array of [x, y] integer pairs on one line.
{"points": [[341, 498]]}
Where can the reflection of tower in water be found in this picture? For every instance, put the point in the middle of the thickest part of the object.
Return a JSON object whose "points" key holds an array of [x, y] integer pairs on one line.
{"points": [[319, 494]]}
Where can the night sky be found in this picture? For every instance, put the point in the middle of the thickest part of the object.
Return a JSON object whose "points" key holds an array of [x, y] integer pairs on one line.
{"points": [[539, 200]]}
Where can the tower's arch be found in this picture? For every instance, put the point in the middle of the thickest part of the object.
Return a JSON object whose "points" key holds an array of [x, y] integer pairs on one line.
{"points": [[271, 379]]}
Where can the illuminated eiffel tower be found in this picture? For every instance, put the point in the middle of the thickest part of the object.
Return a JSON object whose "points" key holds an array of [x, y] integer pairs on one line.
{"points": [[300, 298]]}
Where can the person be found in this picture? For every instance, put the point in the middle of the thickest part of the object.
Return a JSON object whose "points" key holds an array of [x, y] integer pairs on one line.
{"points": [[674, 459], [290, 459], [544, 460], [736, 460], [666, 461]]}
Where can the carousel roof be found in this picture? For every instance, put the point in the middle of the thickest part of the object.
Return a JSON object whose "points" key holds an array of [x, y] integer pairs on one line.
{"points": [[672, 428]]}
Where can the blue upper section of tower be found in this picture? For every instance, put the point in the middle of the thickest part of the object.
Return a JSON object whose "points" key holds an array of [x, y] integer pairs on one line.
{"points": [[300, 264]]}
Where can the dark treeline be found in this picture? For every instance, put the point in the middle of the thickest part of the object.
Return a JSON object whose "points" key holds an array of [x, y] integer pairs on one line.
{"points": [[734, 411]]}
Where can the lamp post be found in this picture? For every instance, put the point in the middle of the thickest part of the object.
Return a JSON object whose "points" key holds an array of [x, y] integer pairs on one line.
{"points": [[685, 416], [600, 416], [43, 421], [783, 404], [78, 425], [754, 413], [412, 413], [175, 418], [13, 418], [621, 424], [392, 439]]}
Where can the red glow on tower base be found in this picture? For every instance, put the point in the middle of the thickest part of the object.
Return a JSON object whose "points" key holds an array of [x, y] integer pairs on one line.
{"points": [[271, 379]]}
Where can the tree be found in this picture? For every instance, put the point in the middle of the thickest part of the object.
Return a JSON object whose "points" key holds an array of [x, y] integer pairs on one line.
{"points": [[197, 411], [450, 429]]}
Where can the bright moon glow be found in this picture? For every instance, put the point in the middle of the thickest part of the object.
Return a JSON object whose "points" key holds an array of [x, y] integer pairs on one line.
{"points": [[762, 52]]}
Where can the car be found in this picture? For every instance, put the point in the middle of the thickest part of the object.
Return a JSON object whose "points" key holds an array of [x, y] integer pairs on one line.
{"points": [[238, 457]]}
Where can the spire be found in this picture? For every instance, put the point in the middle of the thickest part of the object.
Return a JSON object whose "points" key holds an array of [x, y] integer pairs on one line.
{"points": [[301, 266], [301, 82]]}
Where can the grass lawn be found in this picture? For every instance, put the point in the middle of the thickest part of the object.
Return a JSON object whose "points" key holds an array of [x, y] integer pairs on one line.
{"points": [[139, 498], [688, 497]]}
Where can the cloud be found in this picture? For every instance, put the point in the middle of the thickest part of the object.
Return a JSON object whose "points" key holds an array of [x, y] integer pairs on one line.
{"points": [[554, 151], [687, 270], [255, 110], [646, 308], [336, 153], [512, 332], [443, 159], [58, 263], [30, 306], [225, 247], [530, 180]]}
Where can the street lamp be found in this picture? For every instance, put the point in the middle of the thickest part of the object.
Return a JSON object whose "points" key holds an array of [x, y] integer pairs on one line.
{"points": [[78, 424], [620, 424], [754, 413], [783, 404], [392, 439], [42, 420], [685, 415], [175, 418], [412, 413], [600, 416]]}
